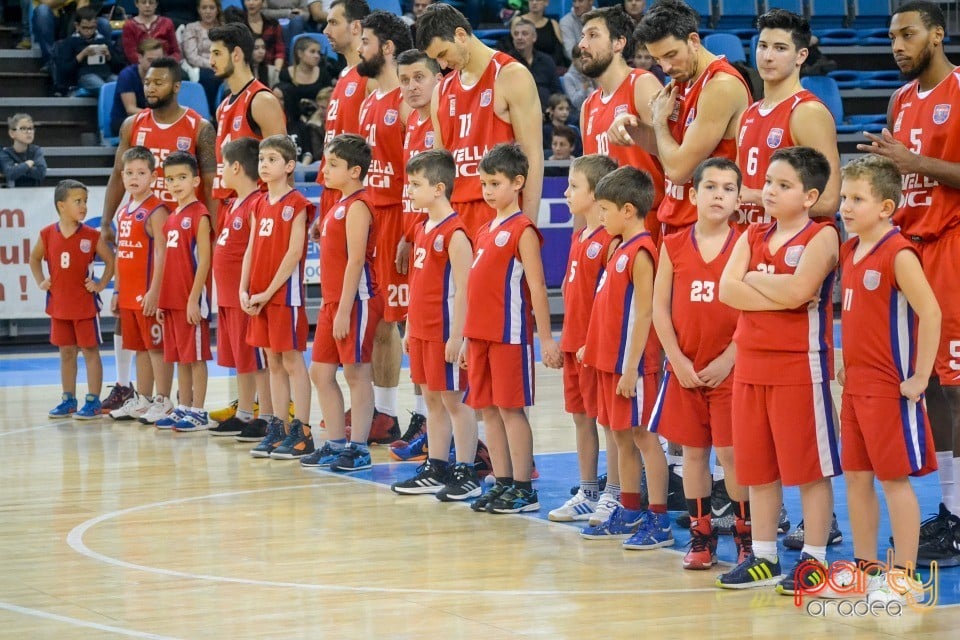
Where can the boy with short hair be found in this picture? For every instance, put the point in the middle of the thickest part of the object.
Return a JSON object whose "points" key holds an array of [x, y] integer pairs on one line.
{"points": [[562, 142], [184, 307], [625, 355], [590, 248], [781, 277], [352, 307], [696, 331], [441, 258], [69, 248], [272, 293], [891, 328], [22, 163], [506, 293]]}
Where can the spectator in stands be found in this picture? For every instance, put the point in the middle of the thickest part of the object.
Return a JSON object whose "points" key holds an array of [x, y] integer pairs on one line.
{"points": [[300, 82], [317, 15], [295, 11], [196, 47], [25, 6], [575, 84], [147, 24], [316, 127], [643, 60], [265, 73], [22, 164], [53, 20], [571, 26], [635, 8], [128, 98], [563, 142], [269, 29], [548, 38], [559, 113], [417, 8], [181, 12], [524, 36], [86, 59]]}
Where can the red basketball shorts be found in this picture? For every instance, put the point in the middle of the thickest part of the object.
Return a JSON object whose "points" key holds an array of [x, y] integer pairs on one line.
{"points": [[184, 342], [232, 348], [700, 417], [579, 386], [357, 346], [83, 333], [499, 375], [619, 413], [429, 368], [941, 264], [279, 328], [391, 224], [140, 333]]}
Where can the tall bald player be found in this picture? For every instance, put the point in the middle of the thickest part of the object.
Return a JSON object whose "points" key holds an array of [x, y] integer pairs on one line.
{"points": [[489, 98]]}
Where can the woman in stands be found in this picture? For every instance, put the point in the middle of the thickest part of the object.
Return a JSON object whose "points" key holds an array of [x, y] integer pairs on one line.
{"points": [[268, 29], [196, 46], [148, 24], [549, 40], [299, 84]]}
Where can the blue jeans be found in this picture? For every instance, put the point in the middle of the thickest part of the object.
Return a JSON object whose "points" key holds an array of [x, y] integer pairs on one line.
{"points": [[93, 83]]}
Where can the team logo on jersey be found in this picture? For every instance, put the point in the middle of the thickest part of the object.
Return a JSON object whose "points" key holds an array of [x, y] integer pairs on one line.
{"points": [[237, 223], [287, 213], [237, 123], [339, 213], [940, 113], [438, 243], [183, 143], [141, 138], [186, 223], [502, 238], [140, 215], [428, 140], [594, 249], [486, 97], [622, 263], [792, 256], [351, 89], [85, 245], [390, 117], [774, 138], [690, 117], [871, 279], [619, 110]]}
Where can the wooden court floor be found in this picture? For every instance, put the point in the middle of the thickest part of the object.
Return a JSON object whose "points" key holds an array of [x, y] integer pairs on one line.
{"points": [[111, 530]]}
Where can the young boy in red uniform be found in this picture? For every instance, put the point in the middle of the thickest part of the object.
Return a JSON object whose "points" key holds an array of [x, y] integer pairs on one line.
{"points": [[440, 261], [891, 328], [589, 250], [185, 296], [781, 277], [69, 247], [624, 355], [272, 294], [696, 331]]}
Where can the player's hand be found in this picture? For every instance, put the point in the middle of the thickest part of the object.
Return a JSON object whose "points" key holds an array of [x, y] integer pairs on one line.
{"points": [[663, 104], [193, 312], [686, 375], [842, 377], [90, 285], [313, 233], [550, 354], [913, 387], [619, 131], [404, 346], [403, 256], [150, 303], [462, 356], [627, 385], [451, 352], [341, 324], [115, 302], [889, 147], [580, 353], [717, 371], [259, 299], [44, 284]]}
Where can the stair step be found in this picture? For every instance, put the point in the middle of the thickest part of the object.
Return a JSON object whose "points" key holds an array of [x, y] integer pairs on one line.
{"points": [[20, 59], [80, 157]]}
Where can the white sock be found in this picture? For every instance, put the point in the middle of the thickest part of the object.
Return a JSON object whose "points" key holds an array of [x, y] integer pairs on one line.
{"points": [[419, 405], [480, 429], [718, 472], [124, 359], [385, 400], [198, 410], [765, 550], [820, 553], [954, 505], [947, 477]]}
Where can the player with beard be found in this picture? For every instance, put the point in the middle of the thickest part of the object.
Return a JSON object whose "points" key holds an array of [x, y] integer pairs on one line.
{"points": [[921, 139]]}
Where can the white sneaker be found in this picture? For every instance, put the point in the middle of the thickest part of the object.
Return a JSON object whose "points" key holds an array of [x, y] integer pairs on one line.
{"points": [[579, 507], [132, 409], [161, 407], [605, 506], [895, 587], [193, 421]]}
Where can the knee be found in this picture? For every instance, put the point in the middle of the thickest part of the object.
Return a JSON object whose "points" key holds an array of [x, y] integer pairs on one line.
{"points": [[69, 353], [91, 354], [698, 456]]}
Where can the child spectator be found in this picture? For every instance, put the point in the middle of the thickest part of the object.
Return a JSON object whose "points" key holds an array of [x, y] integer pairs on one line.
{"points": [[643, 60], [73, 300], [316, 127], [562, 142], [148, 25], [86, 59], [560, 113], [22, 163]]}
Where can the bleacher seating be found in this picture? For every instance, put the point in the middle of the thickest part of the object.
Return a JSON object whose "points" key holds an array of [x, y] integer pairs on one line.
{"points": [[796, 6], [725, 44], [390, 6], [871, 14], [325, 47], [826, 89], [736, 16], [829, 14], [104, 105], [192, 95]]}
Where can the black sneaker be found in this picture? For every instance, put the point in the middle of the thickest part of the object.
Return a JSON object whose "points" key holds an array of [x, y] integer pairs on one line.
{"points": [[232, 427], [795, 539], [428, 479], [298, 443], [119, 394], [721, 508], [351, 459], [934, 526], [481, 503], [253, 431], [418, 424], [515, 500], [943, 548], [462, 484], [676, 500], [271, 441]]}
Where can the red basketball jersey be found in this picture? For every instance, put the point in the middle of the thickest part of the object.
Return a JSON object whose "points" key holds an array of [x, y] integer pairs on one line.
{"points": [[610, 331], [229, 249], [588, 256], [235, 121], [878, 325], [381, 125], [343, 112], [793, 346], [432, 289], [164, 139], [676, 209], [180, 264], [469, 125], [498, 298], [419, 138], [70, 263], [333, 251], [761, 133], [273, 225], [135, 251], [600, 111], [704, 325], [922, 122]]}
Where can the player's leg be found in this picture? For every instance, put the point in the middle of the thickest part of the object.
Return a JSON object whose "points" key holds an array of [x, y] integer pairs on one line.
{"points": [[299, 439], [324, 378], [863, 507], [145, 382], [123, 389], [280, 392], [92, 407], [462, 482], [356, 456], [68, 382], [740, 498], [432, 475], [386, 378]]}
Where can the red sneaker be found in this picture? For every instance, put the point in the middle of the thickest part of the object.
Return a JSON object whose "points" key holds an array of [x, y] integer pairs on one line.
{"points": [[743, 536], [703, 545]]}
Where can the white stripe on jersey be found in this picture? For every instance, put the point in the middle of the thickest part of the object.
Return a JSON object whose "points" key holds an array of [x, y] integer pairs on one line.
{"points": [[627, 338], [514, 319], [814, 333], [901, 338], [822, 410]]}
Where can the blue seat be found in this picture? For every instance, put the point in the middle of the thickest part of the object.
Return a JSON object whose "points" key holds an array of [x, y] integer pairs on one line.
{"points": [[752, 51], [827, 90], [705, 9], [874, 37], [838, 37], [871, 14], [829, 14], [796, 6], [192, 95], [725, 44], [236, 4], [104, 107], [847, 78], [390, 6], [325, 47], [889, 79], [222, 92], [736, 16]]}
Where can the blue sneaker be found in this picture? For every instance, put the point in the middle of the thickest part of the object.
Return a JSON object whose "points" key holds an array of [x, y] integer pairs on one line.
{"points": [[322, 457], [298, 443], [621, 524], [270, 441], [170, 420], [751, 573], [68, 405], [415, 451], [193, 421], [351, 459], [655, 532], [91, 409]]}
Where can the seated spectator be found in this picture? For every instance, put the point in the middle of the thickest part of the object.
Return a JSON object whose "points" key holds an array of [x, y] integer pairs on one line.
{"points": [[643, 60], [268, 29], [416, 10], [180, 12], [86, 59], [563, 142], [53, 20], [25, 6], [571, 26], [303, 79], [22, 164], [576, 85], [316, 127], [296, 12], [147, 24], [195, 44], [317, 15], [128, 98], [559, 114], [635, 8], [524, 36], [548, 39], [265, 73]]}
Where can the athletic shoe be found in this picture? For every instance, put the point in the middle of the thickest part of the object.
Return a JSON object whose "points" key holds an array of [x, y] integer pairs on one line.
{"points": [[601, 485], [579, 507], [418, 425], [91, 409], [481, 462], [253, 431], [132, 409], [944, 549], [621, 524], [68, 405], [298, 443], [654, 532], [703, 546], [170, 420], [193, 421], [222, 415], [899, 587], [428, 479], [606, 505], [481, 503], [721, 508], [270, 441], [795, 539], [783, 524], [808, 575], [119, 394], [743, 538], [676, 500], [161, 407], [229, 427], [751, 573], [384, 429], [351, 459], [322, 457], [515, 500], [462, 484], [683, 520], [415, 451]]}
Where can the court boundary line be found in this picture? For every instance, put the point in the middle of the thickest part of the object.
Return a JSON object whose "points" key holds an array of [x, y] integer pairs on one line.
{"points": [[79, 622]]}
